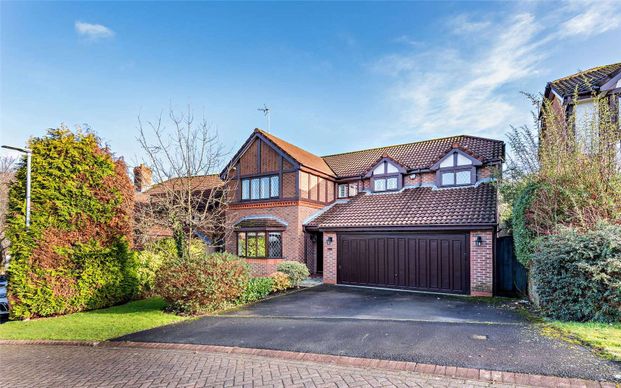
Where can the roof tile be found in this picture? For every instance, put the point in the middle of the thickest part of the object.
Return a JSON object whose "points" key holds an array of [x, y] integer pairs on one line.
{"points": [[583, 81], [414, 207]]}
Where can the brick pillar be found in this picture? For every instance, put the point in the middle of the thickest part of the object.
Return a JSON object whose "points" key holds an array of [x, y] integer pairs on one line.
{"points": [[481, 263], [329, 258]]}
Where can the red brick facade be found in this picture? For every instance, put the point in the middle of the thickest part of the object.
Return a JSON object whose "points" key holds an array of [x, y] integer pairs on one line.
{"points": [[329, 258], [482, 263], [305, 188]]}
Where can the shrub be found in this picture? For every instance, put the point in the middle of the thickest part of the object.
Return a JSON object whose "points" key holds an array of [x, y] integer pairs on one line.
{"points": [[281, 281], [578, 275], [154, 256], [256, 289], [202, 283], [523, 236], [76, 254], [295, 270]]}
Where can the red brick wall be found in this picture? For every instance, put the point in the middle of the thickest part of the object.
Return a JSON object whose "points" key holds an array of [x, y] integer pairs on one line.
{"points": [[293, 213], [329, 258], [481, 263]]}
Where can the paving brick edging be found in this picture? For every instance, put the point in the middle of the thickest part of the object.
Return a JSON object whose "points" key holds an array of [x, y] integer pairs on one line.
{"points": [[429, 369]]}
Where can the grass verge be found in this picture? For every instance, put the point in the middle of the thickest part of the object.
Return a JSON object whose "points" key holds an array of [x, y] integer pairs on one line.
{"points": [[604, 338], [96, 325]]}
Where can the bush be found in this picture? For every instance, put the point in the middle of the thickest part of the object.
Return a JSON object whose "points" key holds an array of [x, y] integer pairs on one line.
{"points": [[154, 256], [76, 254], [295, 270], [523, 236], [281, 281], [578, 275], [203, 283], [256, 289]]}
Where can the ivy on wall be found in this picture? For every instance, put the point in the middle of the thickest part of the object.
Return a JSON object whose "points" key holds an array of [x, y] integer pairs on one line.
{"points": [[76, 254]]}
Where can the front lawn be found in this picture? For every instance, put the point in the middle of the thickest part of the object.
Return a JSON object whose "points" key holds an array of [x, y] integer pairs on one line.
{"points": [[96, 325], [605, 338]]}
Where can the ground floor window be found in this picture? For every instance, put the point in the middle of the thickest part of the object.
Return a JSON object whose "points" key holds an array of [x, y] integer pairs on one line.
{"points": [[259, 244]]}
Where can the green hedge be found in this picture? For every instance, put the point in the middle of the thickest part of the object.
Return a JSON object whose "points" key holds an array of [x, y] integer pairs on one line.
{"points": [[578, 275], [76, 254]]}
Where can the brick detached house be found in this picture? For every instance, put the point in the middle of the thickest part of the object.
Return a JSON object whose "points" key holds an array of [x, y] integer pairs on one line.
{"points": [[419, 216], [574, 93]]}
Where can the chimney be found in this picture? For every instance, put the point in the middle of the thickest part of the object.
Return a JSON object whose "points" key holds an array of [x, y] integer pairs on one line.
{"points": [[142, 178]]}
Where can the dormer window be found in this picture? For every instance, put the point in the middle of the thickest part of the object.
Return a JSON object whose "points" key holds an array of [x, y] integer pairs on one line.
{"points": [[386, 175], [456, 169]]}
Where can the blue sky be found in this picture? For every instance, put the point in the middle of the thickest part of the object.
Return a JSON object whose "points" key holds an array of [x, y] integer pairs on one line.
{"points": [[338, 76]]}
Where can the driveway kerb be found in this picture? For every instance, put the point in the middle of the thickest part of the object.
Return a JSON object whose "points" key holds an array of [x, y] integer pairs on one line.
{"points": [[483, 375]]}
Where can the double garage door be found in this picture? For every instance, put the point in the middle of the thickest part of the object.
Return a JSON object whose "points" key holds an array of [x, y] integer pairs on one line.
{"points": [[427, 262]]}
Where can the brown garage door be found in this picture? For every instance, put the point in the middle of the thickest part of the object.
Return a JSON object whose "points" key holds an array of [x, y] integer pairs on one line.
{"points": [[428, 262]]}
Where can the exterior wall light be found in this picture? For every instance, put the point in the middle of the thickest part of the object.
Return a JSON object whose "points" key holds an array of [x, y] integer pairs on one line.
{"points": [[329, 240], [479, 241]]}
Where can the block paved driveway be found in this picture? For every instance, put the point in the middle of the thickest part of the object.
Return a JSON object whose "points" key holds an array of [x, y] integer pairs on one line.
{"points": [[392, 325], [65, 366]]}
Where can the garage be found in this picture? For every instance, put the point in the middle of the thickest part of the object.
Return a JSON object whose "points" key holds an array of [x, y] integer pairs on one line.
{"points": [[437, 262]]}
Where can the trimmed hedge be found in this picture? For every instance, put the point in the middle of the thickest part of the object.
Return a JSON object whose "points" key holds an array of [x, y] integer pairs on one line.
{"points": [[203, 283], [295, 270], [76, 255], [578, 275]]}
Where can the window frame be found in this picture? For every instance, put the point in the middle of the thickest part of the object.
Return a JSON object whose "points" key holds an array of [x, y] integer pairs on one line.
{"points": [[271, 187], [456, 168], [266, 245], [351, 190]]}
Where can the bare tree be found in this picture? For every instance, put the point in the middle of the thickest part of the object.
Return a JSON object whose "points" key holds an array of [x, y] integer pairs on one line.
{"points": [[188, 199], [7, 174]]}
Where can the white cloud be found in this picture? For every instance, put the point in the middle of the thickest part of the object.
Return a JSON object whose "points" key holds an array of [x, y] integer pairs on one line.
{"points": [[593, 18], [93, 31], [471, 85]]}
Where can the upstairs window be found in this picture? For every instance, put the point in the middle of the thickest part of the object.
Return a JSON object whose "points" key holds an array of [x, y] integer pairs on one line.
{"points": [[386, 177], [347, 190], [260, 188], [456, 169]]}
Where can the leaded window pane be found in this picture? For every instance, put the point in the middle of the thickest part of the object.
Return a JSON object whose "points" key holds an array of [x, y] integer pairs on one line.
{"points": [[353, 189], [448, 178], [379, 184], [256, 189], [265, 187], [392, 184], [342, 191], [241, 244], [275, 245], [245, 189], [261, 244], [275, 187], [463, 178], [252, 244]]}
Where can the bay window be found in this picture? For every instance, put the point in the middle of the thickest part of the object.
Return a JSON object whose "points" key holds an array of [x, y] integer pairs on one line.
{"points": [[259, 244]]}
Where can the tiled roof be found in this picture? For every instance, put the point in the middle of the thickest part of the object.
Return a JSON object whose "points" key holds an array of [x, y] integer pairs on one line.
{"points": [[200, 182], [418, 155], [584, 81], [303, 157], [422, 206]]}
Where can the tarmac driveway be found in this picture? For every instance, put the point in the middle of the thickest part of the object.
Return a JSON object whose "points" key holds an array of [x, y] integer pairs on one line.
{"points": [[394, 325]]}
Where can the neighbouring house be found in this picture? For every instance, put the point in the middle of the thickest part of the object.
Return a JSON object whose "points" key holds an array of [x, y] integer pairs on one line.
{"points": [[148, 192], [418, 216], [574, 94]]}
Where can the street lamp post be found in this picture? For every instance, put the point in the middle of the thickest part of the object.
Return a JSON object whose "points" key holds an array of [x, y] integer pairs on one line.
{"points": [[28, 153]]}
